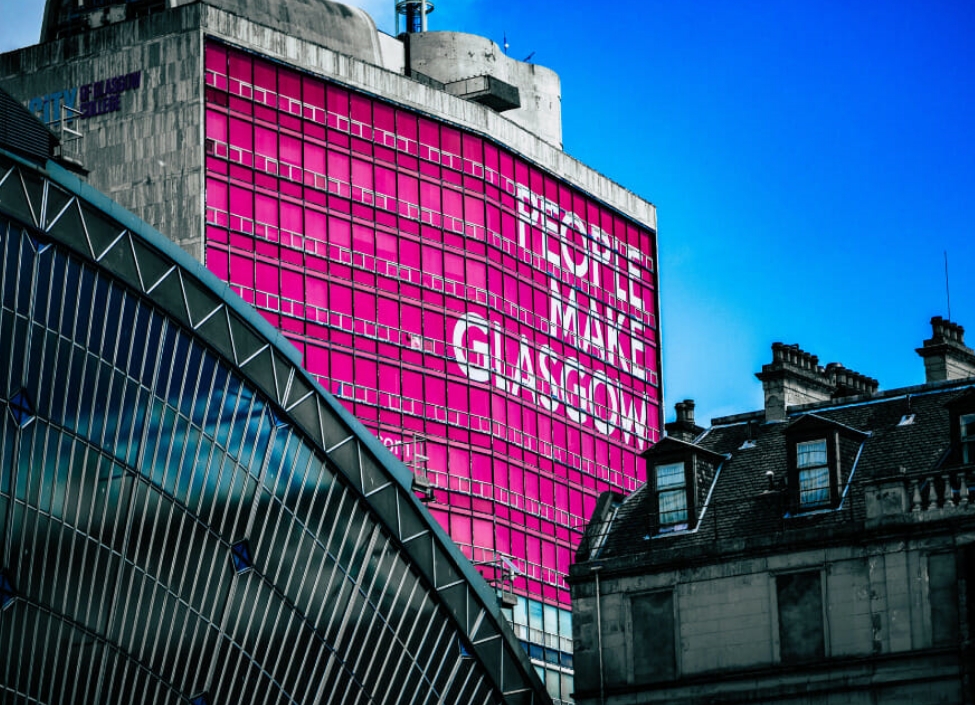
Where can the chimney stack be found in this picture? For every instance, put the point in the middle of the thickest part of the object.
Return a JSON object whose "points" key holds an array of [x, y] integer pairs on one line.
{"points": [[684, 428], [793, 377], [796, 377], [945, 354], [848, 383]]}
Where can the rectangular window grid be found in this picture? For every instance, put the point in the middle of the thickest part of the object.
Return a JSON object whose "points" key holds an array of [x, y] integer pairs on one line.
{"points": [[811, 461]]}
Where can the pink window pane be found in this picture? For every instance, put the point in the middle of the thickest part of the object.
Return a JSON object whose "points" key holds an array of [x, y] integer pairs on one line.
{"points": [[480, 401], [289, 84], [240, 66], [266, 209], [473, 149], [474, 210], [290, 150], [498, 409], [430, 196], [364, 305], [548, 555], [433, 260], [216, 57], [500, 472], [458, 462], [433, 323], [218, 262], [266, 142], [316, 292], [341, 366], [313, 91], [517, 480], [340, 232], [267, 278], [481, 467], [411, 318], [242, 271], [409, 188], [385, 181], [483, 533], [265, 76], [340, 298], [365, 371], [450, 140], [476, 273], [406, 124], [338, 100], [363, 239], [338, 166], [457, 396], [429, 133], [316, 360], [241, 134], [361, 108], [216, 126], [452, 203], [413, 383], [503, 539], [291, 217], [410, 253], [292, 285], [453, 267], [386, 246], [362, 173], [217, 194], [241, 202], [435, 391], [389, 378], [383, 117], [388, 312], [460, 529]]}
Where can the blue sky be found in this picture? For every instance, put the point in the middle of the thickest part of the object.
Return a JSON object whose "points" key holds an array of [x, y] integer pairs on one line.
{"points": [[811, 162]]}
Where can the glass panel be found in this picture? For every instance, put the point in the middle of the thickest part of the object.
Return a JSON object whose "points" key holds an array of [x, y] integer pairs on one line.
{"points": [[670, 475], [811, 453], [673, 506], [814, 486]]}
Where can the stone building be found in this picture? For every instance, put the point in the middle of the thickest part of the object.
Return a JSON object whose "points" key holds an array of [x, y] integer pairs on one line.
{"points": [[817, 551]]}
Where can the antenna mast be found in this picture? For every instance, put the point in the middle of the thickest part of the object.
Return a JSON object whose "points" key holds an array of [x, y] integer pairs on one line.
{"points": [[947, 288]]}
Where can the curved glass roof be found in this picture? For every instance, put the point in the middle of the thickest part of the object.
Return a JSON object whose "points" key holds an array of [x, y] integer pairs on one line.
{"points": [[187, 515]]}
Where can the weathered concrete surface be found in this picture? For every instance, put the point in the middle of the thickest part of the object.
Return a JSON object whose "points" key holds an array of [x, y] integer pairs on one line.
{"points": [[455, 56], [148, 154]]}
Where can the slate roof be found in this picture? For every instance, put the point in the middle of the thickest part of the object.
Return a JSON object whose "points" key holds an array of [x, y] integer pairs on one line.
{"points": [[743, 516]]}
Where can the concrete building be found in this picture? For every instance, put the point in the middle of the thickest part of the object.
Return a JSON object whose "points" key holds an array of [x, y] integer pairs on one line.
{"points": [[400, 208], [187, 516], [821, 550]]}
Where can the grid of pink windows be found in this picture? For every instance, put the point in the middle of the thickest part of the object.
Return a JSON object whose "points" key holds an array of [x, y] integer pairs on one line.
{"points": [[446, 291]]}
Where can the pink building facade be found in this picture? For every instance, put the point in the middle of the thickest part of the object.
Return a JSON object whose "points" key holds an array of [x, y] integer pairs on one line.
{"points": [[490, 322]]}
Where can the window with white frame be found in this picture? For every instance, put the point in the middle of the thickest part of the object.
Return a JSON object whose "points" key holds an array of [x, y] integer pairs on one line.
{"points": [[814, 479], [671, 487]]}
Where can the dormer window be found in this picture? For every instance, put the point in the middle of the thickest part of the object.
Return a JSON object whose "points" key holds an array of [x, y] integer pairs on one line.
{"points": [[822, 459], [967, 437], [679, 478], [670, 485], [814, 476]]}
